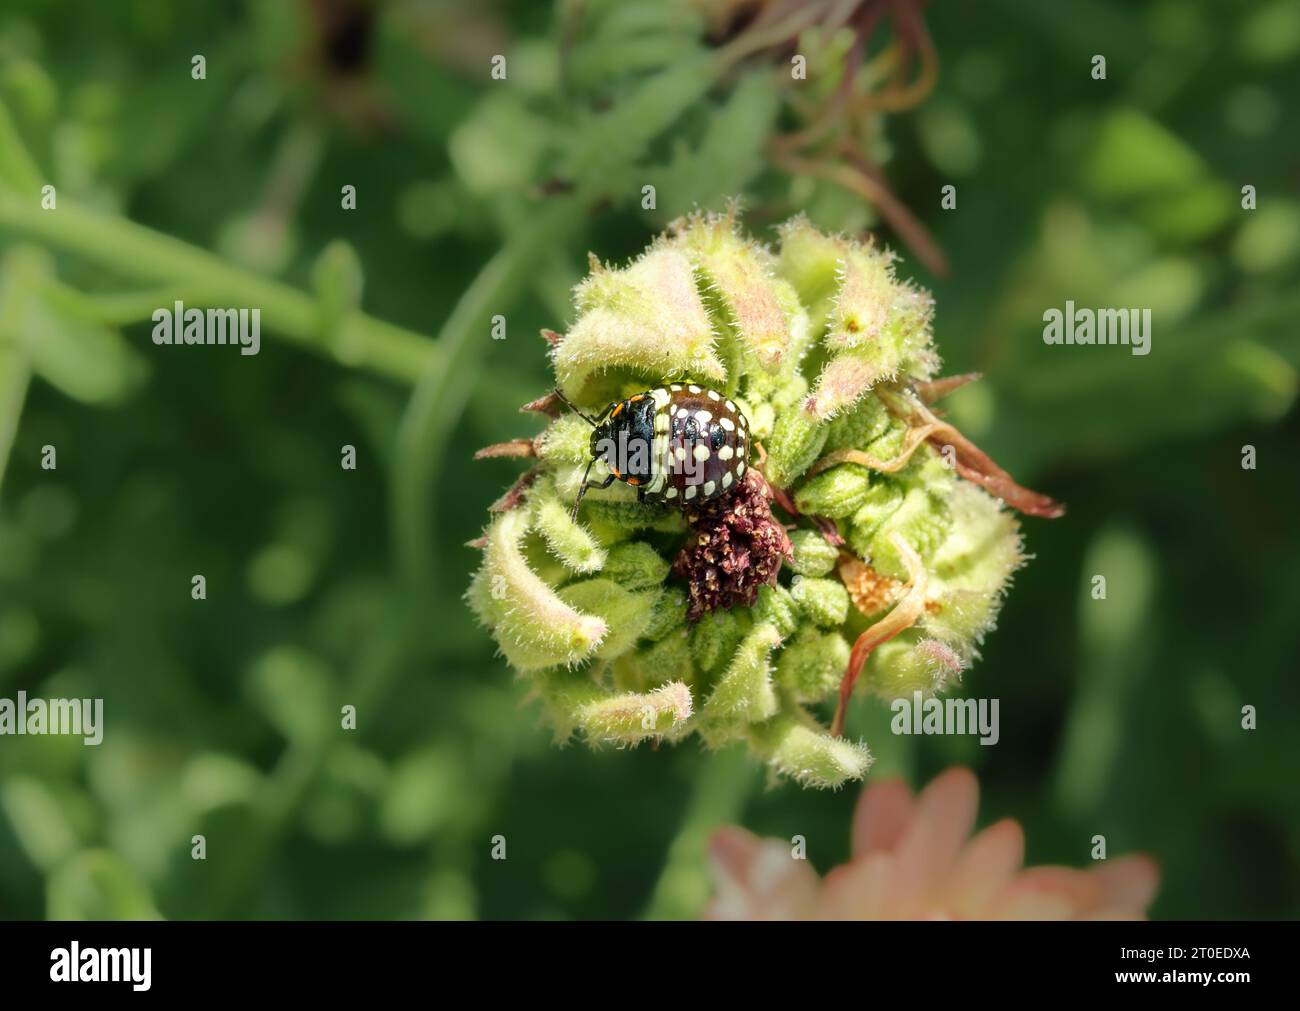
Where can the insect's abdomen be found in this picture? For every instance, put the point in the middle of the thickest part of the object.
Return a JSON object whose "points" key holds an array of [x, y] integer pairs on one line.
{"points": [[701, 449]]}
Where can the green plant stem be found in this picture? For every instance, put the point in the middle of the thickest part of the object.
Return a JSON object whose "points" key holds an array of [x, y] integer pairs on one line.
{"points": [[719, 796], [16, 281], [15, 374], [442, 392], [143, 255], [16, 165]]}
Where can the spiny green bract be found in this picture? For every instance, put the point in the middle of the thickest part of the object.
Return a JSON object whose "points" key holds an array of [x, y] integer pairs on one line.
{"points": [[806, 339]]}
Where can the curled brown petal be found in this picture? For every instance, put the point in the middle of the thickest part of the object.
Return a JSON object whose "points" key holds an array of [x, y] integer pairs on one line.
{"points": [[974, 464], [1031, 503], [937, 389], [515, 447], [516, 492], [910, 607], [550, 405]]}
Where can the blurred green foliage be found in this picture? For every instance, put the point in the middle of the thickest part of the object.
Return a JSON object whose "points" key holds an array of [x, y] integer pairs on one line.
{"points": [[1119, 717]]}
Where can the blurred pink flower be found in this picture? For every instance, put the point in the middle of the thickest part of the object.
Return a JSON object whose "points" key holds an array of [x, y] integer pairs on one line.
{"points": [[914, 858]]}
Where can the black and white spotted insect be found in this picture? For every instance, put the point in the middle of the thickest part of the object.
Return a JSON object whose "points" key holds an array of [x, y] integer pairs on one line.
{"points": [[681, 444]]}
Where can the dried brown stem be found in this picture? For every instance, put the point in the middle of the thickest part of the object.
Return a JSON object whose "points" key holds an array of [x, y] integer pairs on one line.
{"points": [[915, 437], [903, 616]]}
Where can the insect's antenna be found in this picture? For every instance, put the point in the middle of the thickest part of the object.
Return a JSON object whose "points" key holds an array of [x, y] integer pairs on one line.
{"points": [[581, 491], [567, 403]]}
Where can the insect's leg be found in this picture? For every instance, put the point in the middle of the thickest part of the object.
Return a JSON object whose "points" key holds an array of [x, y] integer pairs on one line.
{"points": [[593, 422], [573, 515]]}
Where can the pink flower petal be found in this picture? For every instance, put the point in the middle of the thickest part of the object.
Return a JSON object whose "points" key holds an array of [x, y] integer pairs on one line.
{"points": [[856, 891], [1128, 881], [913, 858], [945, 815], [1080, 888], [986, 865], [758, 879], [882, 814], [1032, 904]]}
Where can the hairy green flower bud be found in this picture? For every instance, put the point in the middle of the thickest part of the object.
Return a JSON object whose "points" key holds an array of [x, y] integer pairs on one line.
{"points": [[883, 499], [777, 607], [568, 440], [744, 693], [921, 520], [741, 276], [648, 318], [812, 554], [668, 659], [632, 717], [667, 615], [851, 550], [824, 601], [797, 441], [715, 637], [860, 427], [838, 492], [811, 665], [635, 566], [912, 663], [571, 543], [808, 756], [574, 702], [626, 614], [533, 626], [631, 516]]}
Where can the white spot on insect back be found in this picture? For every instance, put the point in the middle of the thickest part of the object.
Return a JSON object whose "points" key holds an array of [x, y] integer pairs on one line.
{"points": [[709, 488], [680, 452], [728, 424], [671, 492], [676, 387], [701, 453], [660, 397], [726, 479], [740, 469], [714, 395], [690, 492], [731, 407], [693, 388], [726, 453], [703, 417]]}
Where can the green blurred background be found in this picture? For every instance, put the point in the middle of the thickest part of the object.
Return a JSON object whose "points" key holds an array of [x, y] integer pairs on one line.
{"points": [[328, 587]]}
